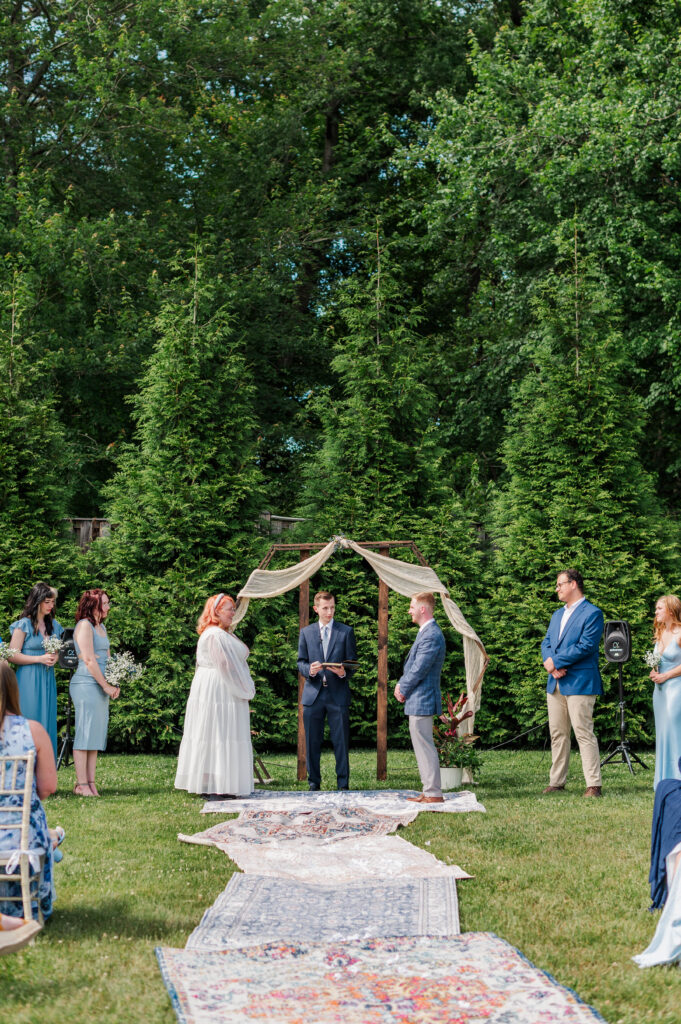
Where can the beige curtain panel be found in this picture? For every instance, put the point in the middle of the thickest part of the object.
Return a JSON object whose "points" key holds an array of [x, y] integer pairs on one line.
{"points": [[402, 577]]}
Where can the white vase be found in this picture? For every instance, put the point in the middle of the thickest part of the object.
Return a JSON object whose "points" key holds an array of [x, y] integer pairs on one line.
{"points": [[450, 778]]}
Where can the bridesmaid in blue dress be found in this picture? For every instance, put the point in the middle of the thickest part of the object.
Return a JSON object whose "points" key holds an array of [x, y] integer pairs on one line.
{"points": [[35, 668], [90, 691], [667, 693]]}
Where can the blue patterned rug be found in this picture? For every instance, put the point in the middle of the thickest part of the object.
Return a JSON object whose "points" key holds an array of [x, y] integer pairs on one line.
{"points": [[254, 909], [468, 979]]}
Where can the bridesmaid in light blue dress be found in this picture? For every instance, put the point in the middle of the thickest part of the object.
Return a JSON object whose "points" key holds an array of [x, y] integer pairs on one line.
{"points": [[35, 668], [90, 691], [667, 693]]}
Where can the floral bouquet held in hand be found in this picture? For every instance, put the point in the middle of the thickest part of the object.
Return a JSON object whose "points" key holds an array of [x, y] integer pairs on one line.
{"points": [[454, 750], [652, 659], [6, 652], [122, 668], [52, 644]]}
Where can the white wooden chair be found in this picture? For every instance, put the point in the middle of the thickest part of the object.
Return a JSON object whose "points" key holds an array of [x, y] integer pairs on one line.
{"points": [[16, 788]]}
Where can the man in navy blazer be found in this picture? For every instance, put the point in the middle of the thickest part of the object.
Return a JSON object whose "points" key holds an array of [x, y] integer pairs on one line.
{"points": [[419, 690], [570, 653], [326, 692]]}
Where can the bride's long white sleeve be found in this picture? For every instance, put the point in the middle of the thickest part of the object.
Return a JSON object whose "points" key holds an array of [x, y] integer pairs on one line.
{"points": [[227, 655]]}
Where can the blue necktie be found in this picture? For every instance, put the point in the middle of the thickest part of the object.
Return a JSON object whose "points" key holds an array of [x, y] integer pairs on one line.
{"points": [[325, 640]]}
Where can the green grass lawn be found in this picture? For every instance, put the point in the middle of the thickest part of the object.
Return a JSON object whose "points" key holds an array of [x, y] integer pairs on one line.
{"points": [[562, 878]]}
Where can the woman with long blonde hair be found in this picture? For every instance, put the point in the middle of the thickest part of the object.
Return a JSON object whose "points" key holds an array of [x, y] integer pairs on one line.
{"points": [[667, 693], [216, 756]]}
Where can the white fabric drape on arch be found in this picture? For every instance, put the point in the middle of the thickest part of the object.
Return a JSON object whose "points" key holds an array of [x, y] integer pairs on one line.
{"points": [[402, 577]]}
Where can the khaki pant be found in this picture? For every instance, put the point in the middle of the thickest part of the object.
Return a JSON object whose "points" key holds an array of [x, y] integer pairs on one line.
{"points": [[421, 732], [576, 711]]}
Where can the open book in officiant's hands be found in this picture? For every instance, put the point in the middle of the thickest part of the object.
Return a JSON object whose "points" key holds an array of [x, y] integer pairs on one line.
{"points": [[338, 664]]}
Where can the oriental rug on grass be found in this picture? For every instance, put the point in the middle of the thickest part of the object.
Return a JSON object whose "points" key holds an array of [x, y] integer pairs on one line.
{"points": [[352, 860], [254, 909], [468, 979], [381, 801], [322, 824]]}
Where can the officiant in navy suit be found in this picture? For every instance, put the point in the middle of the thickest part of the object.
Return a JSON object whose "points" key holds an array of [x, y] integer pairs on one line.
{"points": [[570, 653], [326, 693]]}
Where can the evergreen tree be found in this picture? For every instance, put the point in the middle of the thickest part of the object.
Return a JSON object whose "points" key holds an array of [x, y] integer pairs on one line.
{"points": [[575, 495], [378, 473], [34, 455], [184, 503]]}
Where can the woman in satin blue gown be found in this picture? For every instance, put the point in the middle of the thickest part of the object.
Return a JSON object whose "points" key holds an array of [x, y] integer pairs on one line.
{"points": [[35, 668], [90, 692], [667, 693]]}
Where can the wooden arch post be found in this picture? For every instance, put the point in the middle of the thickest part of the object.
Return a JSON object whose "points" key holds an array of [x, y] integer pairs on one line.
{"points": [[383, 547]]}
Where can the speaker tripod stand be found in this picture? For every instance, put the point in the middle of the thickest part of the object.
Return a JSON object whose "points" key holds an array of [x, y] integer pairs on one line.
{"points": [[66, 743], [623, 747]]}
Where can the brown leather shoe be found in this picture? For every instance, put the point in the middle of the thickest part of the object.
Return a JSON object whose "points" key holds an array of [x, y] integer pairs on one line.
{"points": [[432, 799], [593, 791], [416, 799], [553, 789]]}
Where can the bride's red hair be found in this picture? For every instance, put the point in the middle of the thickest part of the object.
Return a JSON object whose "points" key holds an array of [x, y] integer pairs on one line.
{"points": [[208, 617]]}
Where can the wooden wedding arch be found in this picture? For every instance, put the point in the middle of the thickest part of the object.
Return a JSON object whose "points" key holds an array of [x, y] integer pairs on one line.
{"points": [[383, 548]]}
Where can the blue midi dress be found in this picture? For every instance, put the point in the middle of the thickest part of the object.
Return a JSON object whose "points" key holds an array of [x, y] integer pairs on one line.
{"points": [[667, 708], [90, 703], [15, 738], [37, 683]]}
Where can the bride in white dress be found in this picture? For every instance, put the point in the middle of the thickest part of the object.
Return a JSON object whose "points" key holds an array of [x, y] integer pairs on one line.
{"points": [[216, 755]]}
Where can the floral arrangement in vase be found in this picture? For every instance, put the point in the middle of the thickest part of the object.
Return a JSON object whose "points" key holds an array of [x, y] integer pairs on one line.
{"points": [[455, 751]]}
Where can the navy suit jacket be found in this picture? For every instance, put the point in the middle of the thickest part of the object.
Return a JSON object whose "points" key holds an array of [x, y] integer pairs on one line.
{"points": [[576, 650], [420, 679], [341, 647]]}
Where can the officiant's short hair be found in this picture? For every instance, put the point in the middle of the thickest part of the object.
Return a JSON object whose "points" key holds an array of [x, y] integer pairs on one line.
{"points": [[425, 597], [322, 595]]}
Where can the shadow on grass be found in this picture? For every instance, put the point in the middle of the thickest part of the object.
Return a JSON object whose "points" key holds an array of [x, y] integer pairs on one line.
{"points": [[112, 917]]}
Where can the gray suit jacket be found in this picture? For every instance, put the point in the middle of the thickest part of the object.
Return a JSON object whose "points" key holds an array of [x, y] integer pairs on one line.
{"points": [[420, 679]]}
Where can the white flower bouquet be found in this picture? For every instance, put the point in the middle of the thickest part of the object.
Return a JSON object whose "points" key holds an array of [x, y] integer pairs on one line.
{"points": [[6, 651], [52, 644], [652, 658], [122, 668]]}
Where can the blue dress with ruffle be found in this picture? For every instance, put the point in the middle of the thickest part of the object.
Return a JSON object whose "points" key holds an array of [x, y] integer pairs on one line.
{"points": [[37, 683]]}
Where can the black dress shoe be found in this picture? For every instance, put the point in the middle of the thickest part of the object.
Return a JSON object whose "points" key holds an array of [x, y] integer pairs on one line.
{"points": [[313, 787], [341, 788]]}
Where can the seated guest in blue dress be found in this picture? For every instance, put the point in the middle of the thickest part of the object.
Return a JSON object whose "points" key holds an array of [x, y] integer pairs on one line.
{"points": [[667, 693], [18, 736], [90, 691], [35, 667]]}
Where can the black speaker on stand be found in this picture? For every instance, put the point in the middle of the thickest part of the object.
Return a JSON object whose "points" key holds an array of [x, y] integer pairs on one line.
{"points": [[68, 660], [617, 648]]}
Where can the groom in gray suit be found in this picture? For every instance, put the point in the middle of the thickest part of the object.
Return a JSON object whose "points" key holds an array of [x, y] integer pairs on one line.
{"points": [[419, 690]]}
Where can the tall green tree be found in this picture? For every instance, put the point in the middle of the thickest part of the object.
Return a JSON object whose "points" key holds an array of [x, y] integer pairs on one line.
{"points": [[184, 502], [378, 473], [34, 455], [576, 495]]}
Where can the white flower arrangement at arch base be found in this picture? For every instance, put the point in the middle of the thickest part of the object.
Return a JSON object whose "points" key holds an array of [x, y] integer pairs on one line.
{"points": [[122, 668]]}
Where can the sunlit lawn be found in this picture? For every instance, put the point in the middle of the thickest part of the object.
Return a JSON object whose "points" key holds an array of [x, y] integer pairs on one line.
{"points": [[562, 878]]}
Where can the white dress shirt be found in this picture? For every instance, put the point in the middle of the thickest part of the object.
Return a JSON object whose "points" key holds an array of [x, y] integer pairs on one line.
{"points": [[567, 612]]}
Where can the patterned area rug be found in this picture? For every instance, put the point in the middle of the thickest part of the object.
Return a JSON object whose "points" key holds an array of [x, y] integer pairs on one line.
{"points": [[381, 801], [326, 825], [468, 979], [254, 910], [376, 858]]}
